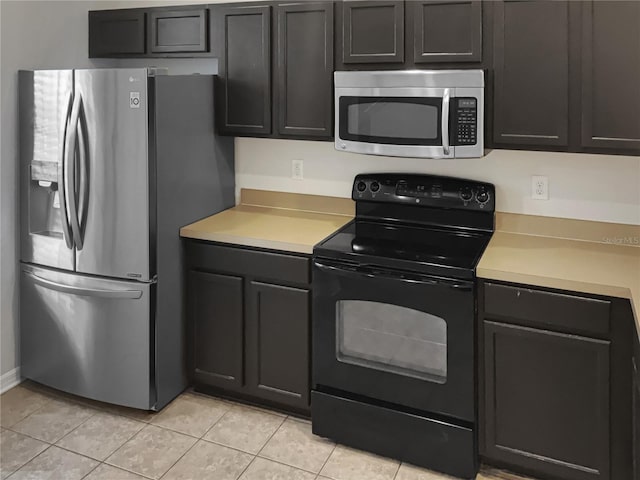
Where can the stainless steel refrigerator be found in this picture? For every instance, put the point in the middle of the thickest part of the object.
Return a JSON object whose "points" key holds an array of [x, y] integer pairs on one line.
{"points": [[113, 163]]}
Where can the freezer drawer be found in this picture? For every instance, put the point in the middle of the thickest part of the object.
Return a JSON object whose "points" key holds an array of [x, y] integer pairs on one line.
{"points": [[88, 336]]}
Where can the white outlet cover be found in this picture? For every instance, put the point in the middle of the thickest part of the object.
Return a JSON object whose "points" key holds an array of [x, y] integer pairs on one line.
{"points": [[297, 169], [540, 187]]}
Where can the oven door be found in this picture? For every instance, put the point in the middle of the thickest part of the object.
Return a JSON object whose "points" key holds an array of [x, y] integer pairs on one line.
{"points": [[395, 337], [405, 122]]}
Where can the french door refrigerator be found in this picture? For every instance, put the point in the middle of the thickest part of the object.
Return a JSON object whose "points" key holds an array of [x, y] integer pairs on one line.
{"points": [[113, 163]]}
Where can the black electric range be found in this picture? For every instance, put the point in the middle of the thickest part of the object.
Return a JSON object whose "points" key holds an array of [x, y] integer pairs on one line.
{"points": [[394, 313]]}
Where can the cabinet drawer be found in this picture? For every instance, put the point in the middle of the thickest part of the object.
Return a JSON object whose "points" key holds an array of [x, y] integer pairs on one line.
{"points": [[280, 267], [547, 309], [178, 31]]}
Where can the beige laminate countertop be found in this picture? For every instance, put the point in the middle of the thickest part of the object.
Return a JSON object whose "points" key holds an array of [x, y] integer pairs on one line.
{"points": [[588, 257], [274, 220]]}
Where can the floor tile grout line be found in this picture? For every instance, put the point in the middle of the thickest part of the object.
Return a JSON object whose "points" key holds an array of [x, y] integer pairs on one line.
{"points": [[246, 468], [24, 464], [335, 445], [397, 470], [74, 429], [284, 420], [28, 415], [91, 471], [127, 470], [214, 424], [180, 458], [280, 462]]}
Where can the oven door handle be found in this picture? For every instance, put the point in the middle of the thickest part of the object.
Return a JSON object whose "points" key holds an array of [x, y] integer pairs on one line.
{"points": [[366, 270]]}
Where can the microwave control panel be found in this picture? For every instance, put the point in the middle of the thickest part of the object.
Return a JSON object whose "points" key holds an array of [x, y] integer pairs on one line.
{"points": [[466, 121]]}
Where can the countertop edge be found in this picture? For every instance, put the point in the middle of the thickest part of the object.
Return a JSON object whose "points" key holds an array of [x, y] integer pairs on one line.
{"points": [[247, 241]]}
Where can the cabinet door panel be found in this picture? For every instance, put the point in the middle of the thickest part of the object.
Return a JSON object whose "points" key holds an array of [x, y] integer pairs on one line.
{"points": [[215, 311], [531, 60], [241, 39], [278, 344], [447, 31], [373, 32], [611, 74], [547, 401], [305, 69], [178, 31], [116, 32]]}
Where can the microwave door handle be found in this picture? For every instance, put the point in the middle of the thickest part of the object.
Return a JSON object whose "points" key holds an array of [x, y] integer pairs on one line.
{"points": [[445, 121]]}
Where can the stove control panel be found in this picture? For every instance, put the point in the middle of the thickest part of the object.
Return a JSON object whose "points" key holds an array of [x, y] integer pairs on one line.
{"points": [[425, 191]]}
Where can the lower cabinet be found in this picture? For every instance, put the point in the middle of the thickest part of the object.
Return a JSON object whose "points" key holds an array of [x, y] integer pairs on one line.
{"points": [[548, 400], [554, 384], [636, 410], [249, 317]]}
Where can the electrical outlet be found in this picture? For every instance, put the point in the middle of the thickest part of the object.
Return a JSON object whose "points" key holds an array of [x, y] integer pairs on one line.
{"points": [[297, 172], [540, 187]]}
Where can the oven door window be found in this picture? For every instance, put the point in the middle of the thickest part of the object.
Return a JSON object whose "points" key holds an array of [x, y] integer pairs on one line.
{"points": [[392, 338], [391, 120]]}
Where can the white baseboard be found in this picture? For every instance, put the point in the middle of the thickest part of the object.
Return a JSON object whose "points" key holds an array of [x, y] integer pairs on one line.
{"points": [[10, 380]]}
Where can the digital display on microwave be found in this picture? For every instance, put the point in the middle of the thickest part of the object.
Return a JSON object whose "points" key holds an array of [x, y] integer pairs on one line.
{"points": [[467, 103]]}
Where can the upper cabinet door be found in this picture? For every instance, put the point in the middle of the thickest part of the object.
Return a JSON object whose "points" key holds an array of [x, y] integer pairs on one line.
{"points": [[304, 93], [116, 32], [611, 75], [531, 61], [241, 39], [446, 30], [178, 31], [372, 31]]}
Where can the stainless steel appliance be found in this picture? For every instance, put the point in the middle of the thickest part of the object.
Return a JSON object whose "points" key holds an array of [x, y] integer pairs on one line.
{"points": [[113, 163], [394, 320], [410, 113]]}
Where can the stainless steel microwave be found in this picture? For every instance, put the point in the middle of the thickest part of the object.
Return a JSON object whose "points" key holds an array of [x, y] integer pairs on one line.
{"points": [[410, 113]]}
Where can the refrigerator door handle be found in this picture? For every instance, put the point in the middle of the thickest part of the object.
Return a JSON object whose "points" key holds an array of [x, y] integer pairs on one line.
{"points": [[83, 188], [88, 292], [71, 147], [63, 174]]}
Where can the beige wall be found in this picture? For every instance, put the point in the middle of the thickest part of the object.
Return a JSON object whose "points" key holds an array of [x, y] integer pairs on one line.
{"points": [[591, 187]]}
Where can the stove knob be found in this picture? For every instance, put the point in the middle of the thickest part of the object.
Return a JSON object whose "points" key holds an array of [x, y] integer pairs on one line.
{"points": [[482, 196], [375, 186], [466, 194], [361, 186]]}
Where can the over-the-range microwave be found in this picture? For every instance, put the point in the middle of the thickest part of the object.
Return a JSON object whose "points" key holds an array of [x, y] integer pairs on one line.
{"points": [[410, 113]]}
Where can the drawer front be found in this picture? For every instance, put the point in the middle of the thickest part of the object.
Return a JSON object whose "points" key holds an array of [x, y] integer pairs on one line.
{"points": [[178, 31], [546, 309], [280, 267], [408, 437]]}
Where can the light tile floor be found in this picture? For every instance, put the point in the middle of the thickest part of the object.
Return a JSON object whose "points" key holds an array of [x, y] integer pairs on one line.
{"points": [[46, 434]]}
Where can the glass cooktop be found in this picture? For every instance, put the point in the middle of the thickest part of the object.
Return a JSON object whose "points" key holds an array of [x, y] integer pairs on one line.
{"points": [[438, 251]]}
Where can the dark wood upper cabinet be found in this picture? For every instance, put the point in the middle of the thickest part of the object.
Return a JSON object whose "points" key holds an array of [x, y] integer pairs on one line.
{"points": [[547, 401], [611, 75], [278, 343], [531, 72], [241, 39], [304, 86], [216, 326], [178, 31], [116, 33], [371, 32], [446, 30]]}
